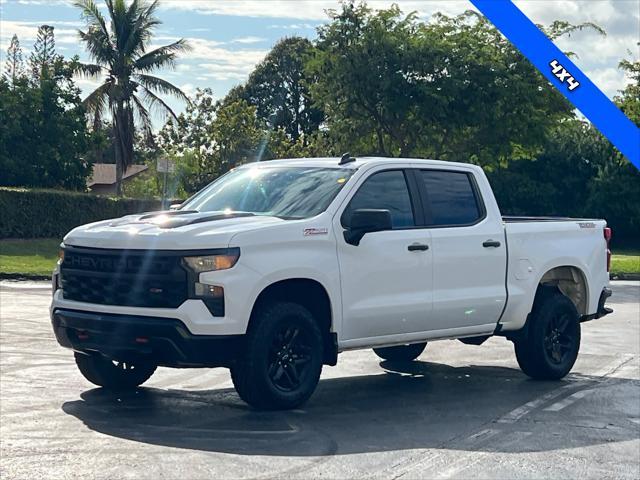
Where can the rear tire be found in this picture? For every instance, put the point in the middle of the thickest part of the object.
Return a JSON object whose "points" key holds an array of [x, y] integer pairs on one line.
{"points": [[282, 361], [550, 349], [401, 353], [112, 374]]}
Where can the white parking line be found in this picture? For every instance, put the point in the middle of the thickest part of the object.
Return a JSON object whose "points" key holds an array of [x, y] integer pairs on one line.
{"points": [[517, 413], [556, 407], [605, 373]]}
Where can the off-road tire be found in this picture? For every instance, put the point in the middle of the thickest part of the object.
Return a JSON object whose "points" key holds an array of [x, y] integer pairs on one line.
{"points": [[107, 373], [263, 374], [401, 353], [550, 348]]}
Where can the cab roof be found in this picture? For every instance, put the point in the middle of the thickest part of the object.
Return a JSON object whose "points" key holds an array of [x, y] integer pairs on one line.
{"points": [[334, 162]]}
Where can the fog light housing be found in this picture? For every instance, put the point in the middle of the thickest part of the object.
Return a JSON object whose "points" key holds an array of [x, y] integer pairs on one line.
{"points": [[55, 281], [212, 296], [208, 291]]}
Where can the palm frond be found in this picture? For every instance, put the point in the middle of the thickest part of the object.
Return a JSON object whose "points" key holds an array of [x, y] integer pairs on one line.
{"points": [[141, 23], [162, 56], [96, 101], [159, 85], [91, 13], [98, 46], [90, 70], [143, 117], [118, 11], [156, 102]]}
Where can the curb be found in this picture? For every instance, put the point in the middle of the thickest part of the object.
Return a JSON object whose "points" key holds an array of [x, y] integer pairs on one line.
{"points": [[625, 276], [23, 276]]}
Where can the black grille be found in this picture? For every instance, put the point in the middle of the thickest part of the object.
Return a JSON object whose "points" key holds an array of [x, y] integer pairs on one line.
{"points": [[136, 278]]}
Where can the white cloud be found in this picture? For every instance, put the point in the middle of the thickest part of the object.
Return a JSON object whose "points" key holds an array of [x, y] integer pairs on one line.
{"points": [[597, 56], [44, 2], [300, 9], [27, 32], [87, 85], [248, 39], [219, 63], [189, 89], [293, 26], [306, 9]]}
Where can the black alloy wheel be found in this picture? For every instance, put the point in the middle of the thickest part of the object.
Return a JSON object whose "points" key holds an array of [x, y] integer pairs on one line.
{"points": [[289, 357]]}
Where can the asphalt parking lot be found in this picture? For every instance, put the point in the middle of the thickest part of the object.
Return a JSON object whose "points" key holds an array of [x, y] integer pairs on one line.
{"points": [[461, 411]]}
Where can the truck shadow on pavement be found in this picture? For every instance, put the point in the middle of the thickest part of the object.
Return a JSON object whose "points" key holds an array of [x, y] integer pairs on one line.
{"points": [[407, 406]]}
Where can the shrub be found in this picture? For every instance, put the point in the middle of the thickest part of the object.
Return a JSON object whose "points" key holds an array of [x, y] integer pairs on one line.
{"points": [[27, 213]]}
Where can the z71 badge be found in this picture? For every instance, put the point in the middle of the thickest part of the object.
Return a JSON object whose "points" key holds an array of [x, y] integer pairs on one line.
{"points": [[315, 231], [587, 224]]}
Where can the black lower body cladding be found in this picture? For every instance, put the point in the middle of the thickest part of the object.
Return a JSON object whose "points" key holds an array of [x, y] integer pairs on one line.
{"points": [[162, 341]]}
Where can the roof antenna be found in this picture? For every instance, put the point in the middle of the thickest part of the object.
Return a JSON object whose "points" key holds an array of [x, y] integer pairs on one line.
{"points": [[346, 158]]}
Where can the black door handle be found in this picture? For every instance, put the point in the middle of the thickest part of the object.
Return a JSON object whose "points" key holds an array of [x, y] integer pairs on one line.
{"points": [[491, 243], [417, 247]]}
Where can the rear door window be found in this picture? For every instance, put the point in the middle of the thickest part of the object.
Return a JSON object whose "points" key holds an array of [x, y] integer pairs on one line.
{"points": [[451, 199]]}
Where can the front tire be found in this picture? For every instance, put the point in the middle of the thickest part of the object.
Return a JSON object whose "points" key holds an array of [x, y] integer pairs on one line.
{"points": [[111, 374], [282, 362], [550, 349], [401, 353]]}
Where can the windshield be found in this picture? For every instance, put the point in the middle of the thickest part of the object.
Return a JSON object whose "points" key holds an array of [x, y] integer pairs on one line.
{"points": [[287, 192]]}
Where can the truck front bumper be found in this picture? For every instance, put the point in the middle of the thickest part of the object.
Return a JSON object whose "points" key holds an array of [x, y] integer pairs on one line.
{"points": [[162, 341], [602, 309]]}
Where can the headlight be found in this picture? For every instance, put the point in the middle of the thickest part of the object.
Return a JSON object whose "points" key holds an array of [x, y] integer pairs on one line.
{"points": [[209, 263]]}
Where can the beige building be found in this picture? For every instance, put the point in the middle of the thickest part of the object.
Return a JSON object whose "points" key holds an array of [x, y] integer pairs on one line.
{"points": [[103, 178]]}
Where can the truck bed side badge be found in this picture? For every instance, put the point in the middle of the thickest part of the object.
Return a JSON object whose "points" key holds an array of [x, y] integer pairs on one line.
{"points": [[315, 231]]}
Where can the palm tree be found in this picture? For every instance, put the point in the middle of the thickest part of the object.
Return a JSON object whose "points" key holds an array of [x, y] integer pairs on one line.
{"points": [[119, 51]]}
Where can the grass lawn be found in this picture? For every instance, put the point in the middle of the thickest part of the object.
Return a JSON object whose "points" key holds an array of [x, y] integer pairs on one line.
{"points": [[38, 257], [29, 257], [626, 261]]}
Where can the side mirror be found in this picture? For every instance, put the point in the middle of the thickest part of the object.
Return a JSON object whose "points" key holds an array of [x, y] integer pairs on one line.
{"points": [[365, 220], [175, 206]]}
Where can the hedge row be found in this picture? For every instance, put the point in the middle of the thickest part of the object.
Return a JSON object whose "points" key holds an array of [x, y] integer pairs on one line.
{"points": [[26, 213]]}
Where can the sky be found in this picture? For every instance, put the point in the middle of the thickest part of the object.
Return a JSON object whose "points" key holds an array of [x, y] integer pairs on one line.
{"points": [[228, 37]]}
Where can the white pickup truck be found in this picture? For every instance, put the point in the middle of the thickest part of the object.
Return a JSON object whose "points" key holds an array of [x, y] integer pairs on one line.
{"points": [[276, 267]]}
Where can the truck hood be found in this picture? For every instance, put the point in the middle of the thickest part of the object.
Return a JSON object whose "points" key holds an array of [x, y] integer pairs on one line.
{"points": [[174, 230]]}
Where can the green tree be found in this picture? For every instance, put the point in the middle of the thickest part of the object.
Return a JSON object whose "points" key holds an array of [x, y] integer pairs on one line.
{"points": [[43, 57], [578, 173], [614, 193], [279, 89], [237, 136], [392, 85], [120, 51], [14, 66], [556, 181], [629, 98], [190, 137], [213, 137], [43, 133]]}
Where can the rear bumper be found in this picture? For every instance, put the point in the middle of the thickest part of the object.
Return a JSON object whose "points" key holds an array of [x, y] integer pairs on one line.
{"points": [[602, 309], [162, 341]]}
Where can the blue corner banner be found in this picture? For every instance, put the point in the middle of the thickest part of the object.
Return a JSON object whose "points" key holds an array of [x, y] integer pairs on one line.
{"points": [[564, 75]]}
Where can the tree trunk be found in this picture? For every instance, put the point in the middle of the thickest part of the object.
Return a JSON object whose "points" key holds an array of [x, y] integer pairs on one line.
{"points": [[119, 171], [123, 132], [117, 134]]}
